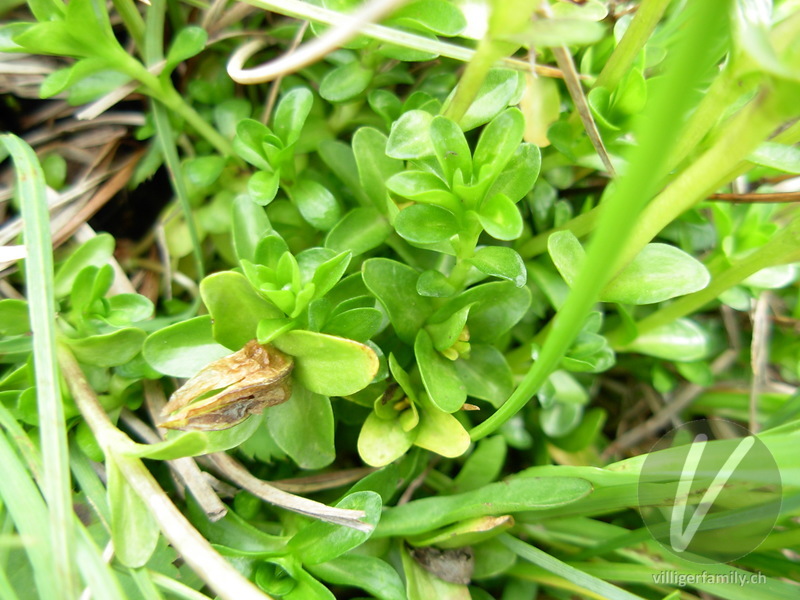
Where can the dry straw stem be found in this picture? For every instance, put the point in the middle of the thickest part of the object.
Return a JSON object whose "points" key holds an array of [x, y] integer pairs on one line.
{"points": [[346, 27], [218, 573], [234, 471]]}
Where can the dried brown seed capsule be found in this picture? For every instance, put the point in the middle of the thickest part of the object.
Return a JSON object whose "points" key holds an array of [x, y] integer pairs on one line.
{"points": [[241, 384]]}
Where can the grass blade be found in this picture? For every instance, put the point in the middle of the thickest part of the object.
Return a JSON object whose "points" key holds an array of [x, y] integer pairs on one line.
{"points": [[550, 563], [39, 277]]}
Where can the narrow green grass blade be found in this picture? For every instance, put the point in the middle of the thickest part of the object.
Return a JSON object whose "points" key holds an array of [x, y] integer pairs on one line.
{"points": [[39, 278], [29, 513], [99, 576], [621, 206], [6, 591], [154, 52], [542, 559]]}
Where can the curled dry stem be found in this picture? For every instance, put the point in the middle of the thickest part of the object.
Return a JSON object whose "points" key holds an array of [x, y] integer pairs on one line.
{"points": [[234, 471]]}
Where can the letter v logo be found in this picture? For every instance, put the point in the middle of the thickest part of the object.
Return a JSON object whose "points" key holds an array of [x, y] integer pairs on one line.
{"points": [[679, 537]]}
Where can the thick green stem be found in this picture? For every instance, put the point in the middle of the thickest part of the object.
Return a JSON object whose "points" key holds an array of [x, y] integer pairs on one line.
{"points": [[163, 91], [715, 101], [175, 102], [647, 17], [580, 226], [487, 54], [784, 248], [746, 130], [134, 23]]}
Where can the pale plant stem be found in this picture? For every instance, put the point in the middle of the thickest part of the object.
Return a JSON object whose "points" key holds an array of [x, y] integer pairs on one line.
{"points": [[644, 22], [258, 487], [349, 27], [275, 87], [317, 14], [218, 573], [759, 355], [746, 130]]}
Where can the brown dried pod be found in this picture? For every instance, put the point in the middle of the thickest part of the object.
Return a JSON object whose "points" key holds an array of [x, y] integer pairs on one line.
{"points": [[454, 565], [228, 390]]}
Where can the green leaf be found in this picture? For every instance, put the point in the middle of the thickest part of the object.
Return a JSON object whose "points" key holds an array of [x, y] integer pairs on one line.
{"points": [[320, 542], [125, 309], [659, 272], [303, 428], [752, 21], [502, 262], [777, 156], [410, 136], [500, 218], [328, 274], [500, 89], [250, 226], [773, 277], [440, 432], [14, 317], [395, 286], [560, 32], [382, 441], [515, 495], [374, 166], [345, 82], [682, 340], [519, 175], [248, 143], [184, 348], [134, 532], [94, 252], [426, 224], [341, 160], [564, 388], [585, 433], [498, 143], [316, 203], [423, 187], [567, 254], [561, 418], [432, 16], [386, 104], [263, 186], [359, 324], [359, 231], [369, 573], [194, 443], [497, 307], [483, 466], [435, 285], [291, 114], [486, 374], [451, 148], [62, 79], [446, 333], [329, 365], [445, 388], [189, 41], [108, 350], [203, 171], [235, 307]]}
